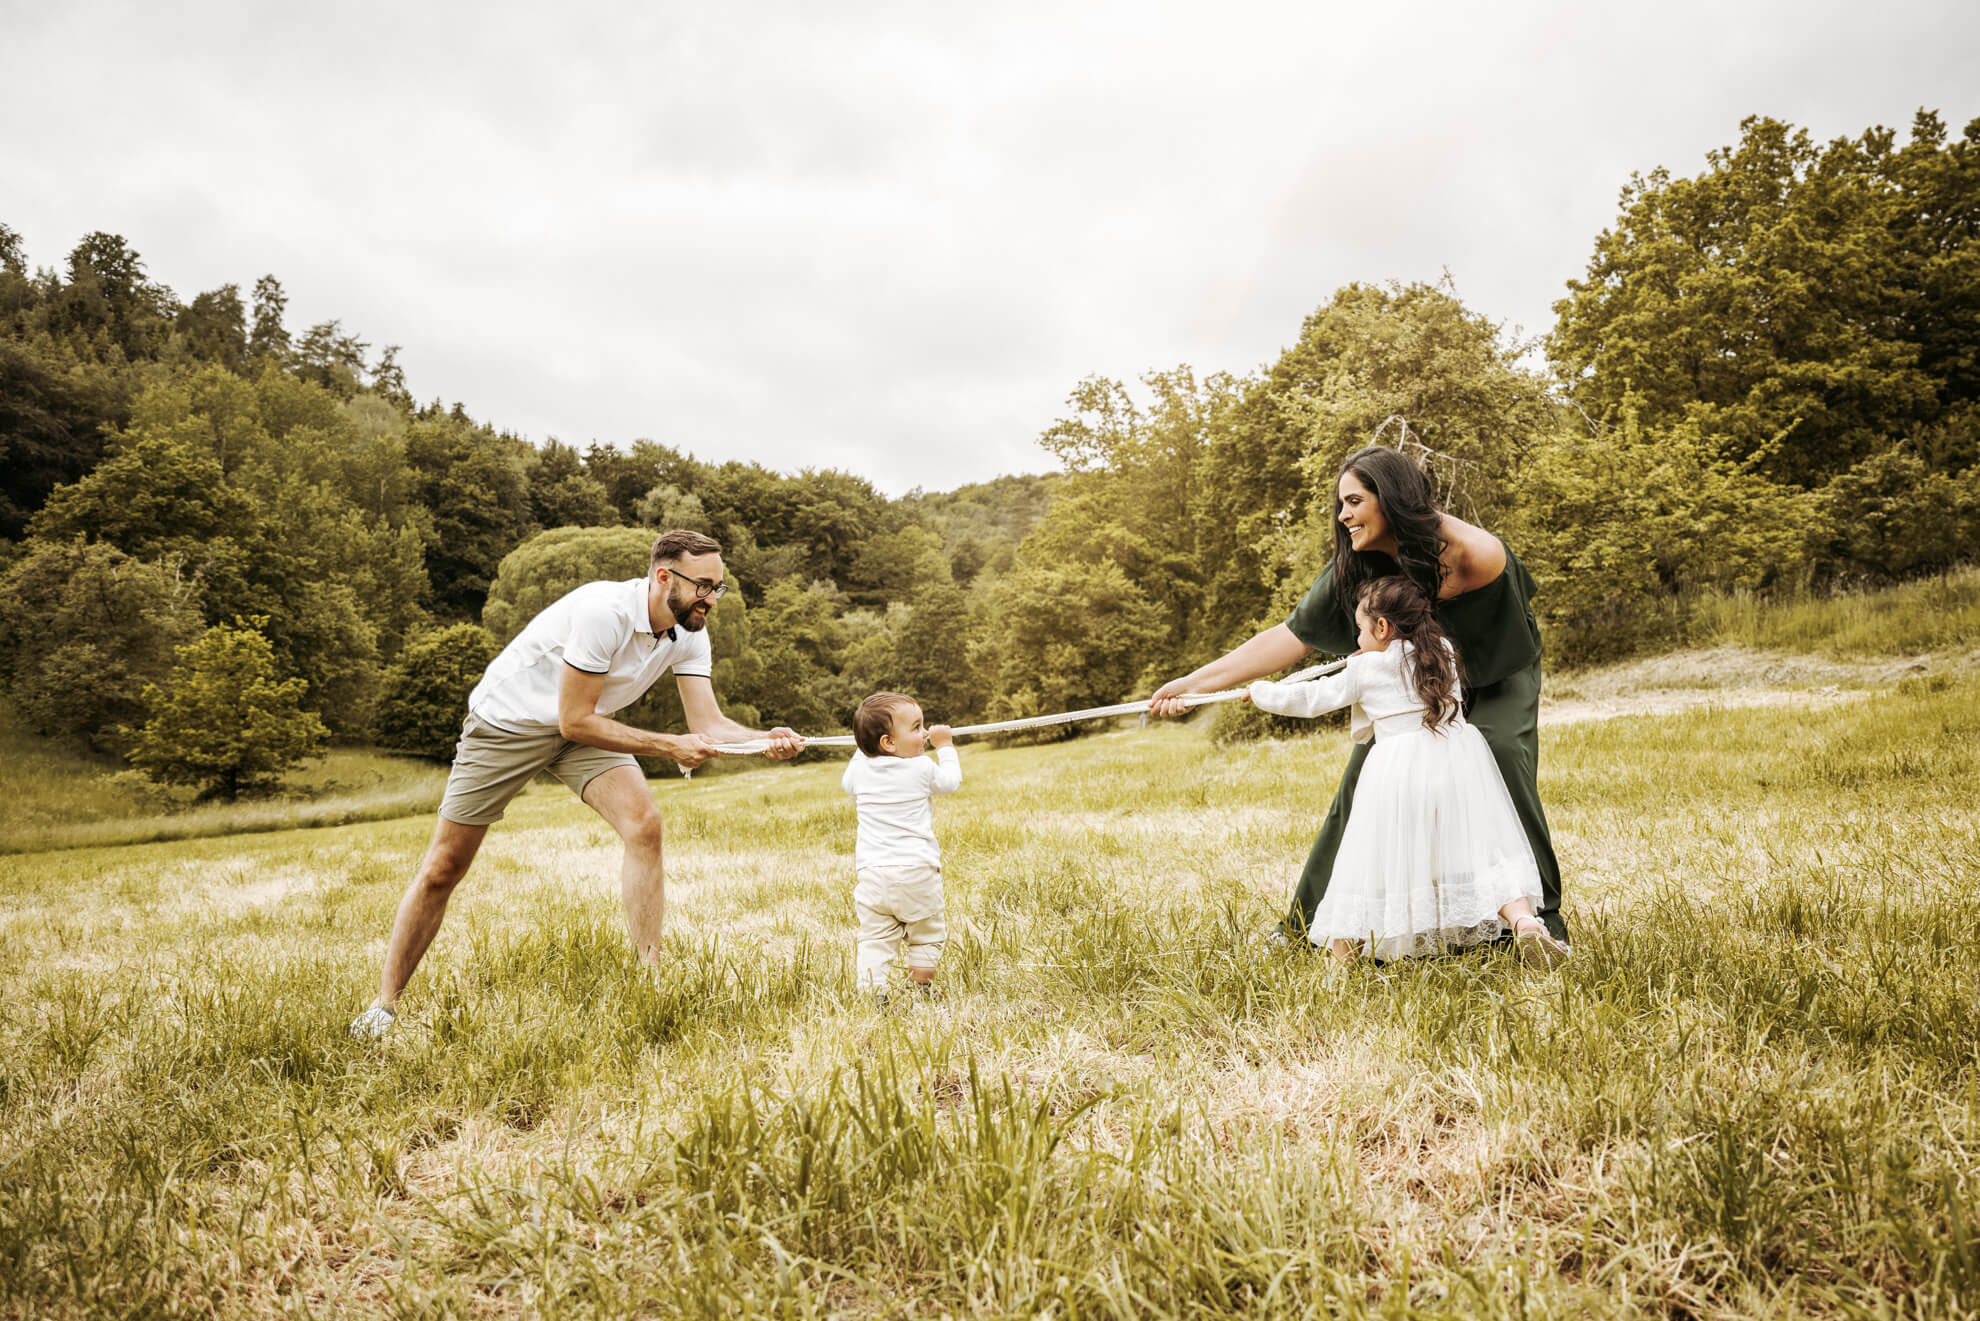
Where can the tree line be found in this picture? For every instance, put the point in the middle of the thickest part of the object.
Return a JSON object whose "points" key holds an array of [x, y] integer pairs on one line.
{"points": [[1766, 378]]}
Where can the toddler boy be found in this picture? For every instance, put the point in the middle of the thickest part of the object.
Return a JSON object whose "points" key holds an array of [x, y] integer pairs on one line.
{"points": [[896, 861]]}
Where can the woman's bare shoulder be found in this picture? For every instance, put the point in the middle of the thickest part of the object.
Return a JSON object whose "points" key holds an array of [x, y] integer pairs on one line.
{"points": [[1473, 558]]}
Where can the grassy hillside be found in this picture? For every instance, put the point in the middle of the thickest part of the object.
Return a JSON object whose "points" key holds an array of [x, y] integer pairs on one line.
{"points": [[1928, 615], [1751, 1092], [55, 797]]}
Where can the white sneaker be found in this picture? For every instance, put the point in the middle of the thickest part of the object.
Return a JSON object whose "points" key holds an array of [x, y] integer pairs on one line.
{"points": [[373, 1023], [1277, 941]]}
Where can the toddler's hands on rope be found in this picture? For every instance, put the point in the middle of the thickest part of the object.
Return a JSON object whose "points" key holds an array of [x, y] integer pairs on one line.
{"points": [[941, 736], [785, 743]]}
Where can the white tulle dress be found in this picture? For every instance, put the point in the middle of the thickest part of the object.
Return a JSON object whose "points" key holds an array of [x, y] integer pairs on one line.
{"points": [[1433, 848]]}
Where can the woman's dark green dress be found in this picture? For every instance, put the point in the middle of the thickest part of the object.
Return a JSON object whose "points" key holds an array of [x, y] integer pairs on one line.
{"points": [[1495, 633]]}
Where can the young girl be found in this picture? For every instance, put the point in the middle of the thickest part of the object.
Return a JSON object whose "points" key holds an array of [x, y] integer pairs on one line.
{"points": [[1433, 855]]}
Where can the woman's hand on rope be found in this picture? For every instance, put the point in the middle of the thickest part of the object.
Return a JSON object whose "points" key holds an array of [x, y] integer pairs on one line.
{"points": [[1167, 701], [785, 743], [1265, 653]]}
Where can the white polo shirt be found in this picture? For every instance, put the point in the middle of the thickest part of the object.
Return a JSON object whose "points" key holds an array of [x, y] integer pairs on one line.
{"points": [[601, 628]]}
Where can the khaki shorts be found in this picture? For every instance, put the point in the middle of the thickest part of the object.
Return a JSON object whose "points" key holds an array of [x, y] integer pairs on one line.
{"points": [[491, 766]]}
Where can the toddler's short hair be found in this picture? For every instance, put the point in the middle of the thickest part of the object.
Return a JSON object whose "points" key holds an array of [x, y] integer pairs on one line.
{"points": [[875, 718]]}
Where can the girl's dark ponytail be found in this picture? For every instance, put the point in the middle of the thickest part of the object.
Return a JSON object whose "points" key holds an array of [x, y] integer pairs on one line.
{"points": [[1433, 665]]}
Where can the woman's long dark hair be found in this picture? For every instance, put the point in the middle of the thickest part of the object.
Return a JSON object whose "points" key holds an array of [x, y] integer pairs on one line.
{"points": [[1433, 665], [1410, 507]]}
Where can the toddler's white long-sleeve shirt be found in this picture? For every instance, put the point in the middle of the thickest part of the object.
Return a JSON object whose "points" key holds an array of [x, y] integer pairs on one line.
{"points": [[896, 821]]}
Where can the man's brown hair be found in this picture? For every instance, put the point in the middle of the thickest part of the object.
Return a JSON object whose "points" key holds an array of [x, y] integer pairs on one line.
{"points": [[670, 546], [875, 718]]}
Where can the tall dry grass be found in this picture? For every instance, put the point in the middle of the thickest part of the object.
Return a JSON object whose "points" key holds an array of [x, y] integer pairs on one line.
{"points": [[1752, 1093]]}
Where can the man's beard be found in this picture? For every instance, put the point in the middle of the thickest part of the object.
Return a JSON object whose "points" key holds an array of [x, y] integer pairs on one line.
{"points": [[683, 609]]}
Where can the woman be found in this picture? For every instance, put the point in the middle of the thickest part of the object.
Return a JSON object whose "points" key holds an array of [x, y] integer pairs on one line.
{"points": [[1387, 522]]}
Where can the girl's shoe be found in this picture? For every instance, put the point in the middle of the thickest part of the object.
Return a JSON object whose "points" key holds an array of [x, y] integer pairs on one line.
{"points": [[1536, 947]]}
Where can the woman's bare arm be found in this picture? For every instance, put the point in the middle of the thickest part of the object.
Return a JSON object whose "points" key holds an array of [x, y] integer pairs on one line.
{"points": [[1265, 653]]}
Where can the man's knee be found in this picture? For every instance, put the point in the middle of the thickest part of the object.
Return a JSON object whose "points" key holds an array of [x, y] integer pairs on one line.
{"points": [[449, 855], [642, 833], [442, 871]]}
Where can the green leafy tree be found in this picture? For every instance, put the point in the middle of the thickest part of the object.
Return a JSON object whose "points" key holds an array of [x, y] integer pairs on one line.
{"points": [[471, 482], [324, 638], [51, 431], [373, 474], [385, 567], [562, 495], [667, 507], [388, 378], [1063, 637], [830, 514], [984, 521], [225, 722], [328, 356], [892, 566], [796, 643], [1133, 498], [1938, 182], [155, 495], [1617, 527], [109, 296], [209, 409], [870, 661], [745, 496], [83, 629], [1895, 514], [555, 562], [424, 695], [931, 653], [1764, 299], [269, 341], [289, 404], [213, 327], [628, 476], [758, 567]]}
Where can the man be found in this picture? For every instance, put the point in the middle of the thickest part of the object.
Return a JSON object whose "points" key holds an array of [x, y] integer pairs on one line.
{"points": [[545, 703]]}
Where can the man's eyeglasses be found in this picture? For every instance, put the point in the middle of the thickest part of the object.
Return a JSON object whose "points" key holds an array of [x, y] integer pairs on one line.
{"points": [[703, 589]]}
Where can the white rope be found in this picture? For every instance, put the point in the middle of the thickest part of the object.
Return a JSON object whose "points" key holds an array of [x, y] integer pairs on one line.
{"points": [[757, 745]]}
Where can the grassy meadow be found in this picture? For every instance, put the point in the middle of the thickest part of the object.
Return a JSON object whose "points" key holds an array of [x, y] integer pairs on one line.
{"points": [[53, 796], [1753, 1092]]}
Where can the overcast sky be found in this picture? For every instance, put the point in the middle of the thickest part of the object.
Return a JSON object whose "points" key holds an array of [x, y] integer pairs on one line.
{"points": [[890, 239]]}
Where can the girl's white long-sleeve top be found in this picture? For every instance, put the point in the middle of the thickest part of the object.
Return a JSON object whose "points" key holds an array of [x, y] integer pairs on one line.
{"points": [[1374, 683], [896, 820]]}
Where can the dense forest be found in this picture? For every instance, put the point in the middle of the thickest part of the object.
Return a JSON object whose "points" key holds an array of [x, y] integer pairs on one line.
{"points": [[1767, 378]]}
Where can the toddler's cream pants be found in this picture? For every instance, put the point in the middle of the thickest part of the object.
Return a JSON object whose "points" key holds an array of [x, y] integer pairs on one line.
{"points": [[896, 904]]}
